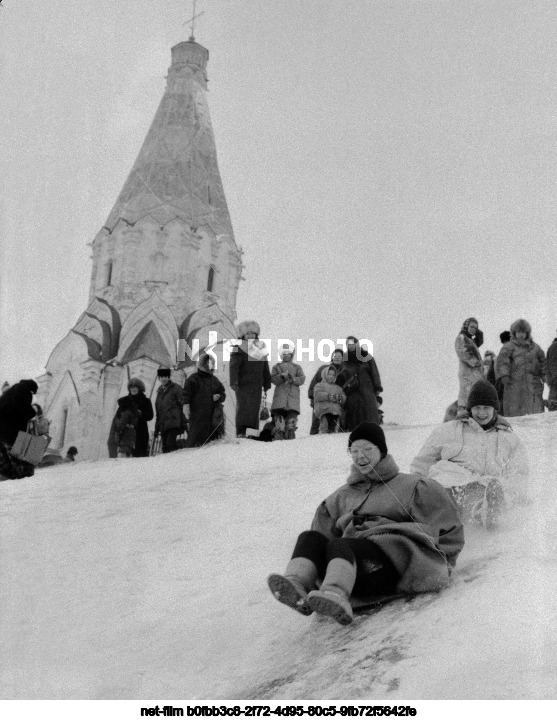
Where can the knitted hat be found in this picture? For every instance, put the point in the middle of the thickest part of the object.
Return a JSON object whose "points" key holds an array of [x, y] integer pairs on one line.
{"points": [[483, 393], [138, 383], [163, 373], [369, 432]]}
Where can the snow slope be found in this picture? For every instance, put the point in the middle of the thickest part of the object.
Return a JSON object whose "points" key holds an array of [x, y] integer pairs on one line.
{"points": [[145, 578]]}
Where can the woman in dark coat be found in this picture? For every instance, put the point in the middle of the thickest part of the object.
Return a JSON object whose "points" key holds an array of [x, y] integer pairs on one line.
{"points": [[136, 389], [359, 379], [250, 375], [16, 410], [202, 394]]}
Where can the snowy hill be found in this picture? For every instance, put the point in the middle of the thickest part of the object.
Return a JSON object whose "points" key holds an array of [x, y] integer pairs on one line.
{"points": [[145, 578]]}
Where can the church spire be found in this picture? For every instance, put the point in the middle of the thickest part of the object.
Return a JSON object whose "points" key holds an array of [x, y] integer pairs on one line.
{"points": [[176, 173]]}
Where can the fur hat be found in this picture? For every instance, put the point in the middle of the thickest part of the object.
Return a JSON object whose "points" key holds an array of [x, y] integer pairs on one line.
{"points": [[286, 350], [137, 383], [248, 326], [163, 373], [483, 393], [126, 403], [505, 336], [29, 385], [521, 326], [72, 451], [371, 432]]}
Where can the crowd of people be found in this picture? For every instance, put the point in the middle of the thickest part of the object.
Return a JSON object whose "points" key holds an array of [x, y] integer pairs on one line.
{"points": [[383, 531]]}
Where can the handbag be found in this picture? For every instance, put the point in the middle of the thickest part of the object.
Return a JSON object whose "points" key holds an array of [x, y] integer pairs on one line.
{"points": [[29, 448], [264, 413], [218, 416]]}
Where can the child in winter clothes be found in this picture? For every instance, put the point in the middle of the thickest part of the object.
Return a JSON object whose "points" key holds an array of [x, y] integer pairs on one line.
{"points": [[328, 400], [479, 460]]}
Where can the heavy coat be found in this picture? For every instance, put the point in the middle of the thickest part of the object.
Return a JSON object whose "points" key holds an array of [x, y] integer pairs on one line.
{"points": [[551, 370], [359, 378], [523, 362], [199, 390], [410, 518], [317, 377], [250, 373], [123, 429], [145, 408], [287, 392], [321, 396], [470, 367], [462, 452], [16, 411], [168, 406]]}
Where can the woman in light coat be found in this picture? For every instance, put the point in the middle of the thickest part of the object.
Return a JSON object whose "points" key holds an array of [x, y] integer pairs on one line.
{"points": [[470, 368], [478, 459], [521, 368], [287, 377]]}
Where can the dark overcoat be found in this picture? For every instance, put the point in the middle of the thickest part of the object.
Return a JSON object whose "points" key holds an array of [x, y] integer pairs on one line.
{"points": [[16, 411], [199, 390], [359, 378], [168, 406], [145, 408], [251, 375]]}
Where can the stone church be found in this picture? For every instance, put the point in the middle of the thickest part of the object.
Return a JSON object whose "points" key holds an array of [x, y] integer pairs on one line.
{"points": [[165, 267]]}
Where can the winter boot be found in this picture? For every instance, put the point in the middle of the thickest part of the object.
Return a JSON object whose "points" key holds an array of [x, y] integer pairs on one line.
{"points": [[292, 588], [332, 599]]}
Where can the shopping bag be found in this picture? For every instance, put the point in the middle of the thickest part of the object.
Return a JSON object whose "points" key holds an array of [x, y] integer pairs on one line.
{"points": [[29, 448]]}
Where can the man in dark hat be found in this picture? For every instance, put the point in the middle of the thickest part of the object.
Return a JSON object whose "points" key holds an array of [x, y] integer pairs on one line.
{"points": [[169, 404], [382, 532]]}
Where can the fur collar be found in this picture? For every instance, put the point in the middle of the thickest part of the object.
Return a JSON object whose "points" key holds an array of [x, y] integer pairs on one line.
{"points": [[385, 470]]}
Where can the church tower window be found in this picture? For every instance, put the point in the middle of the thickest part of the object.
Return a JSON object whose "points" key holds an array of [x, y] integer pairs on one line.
{"points": [[211, 279]]}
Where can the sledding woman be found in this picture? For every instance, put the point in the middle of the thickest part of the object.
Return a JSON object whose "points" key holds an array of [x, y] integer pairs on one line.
{"points": [[382, 532], [478, 459]]}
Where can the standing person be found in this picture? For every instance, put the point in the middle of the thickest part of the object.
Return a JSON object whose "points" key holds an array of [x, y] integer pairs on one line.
{"points": [[521, 368], [479, 459], [360, 381], [170, 421], [328, 401], [136, 390], [488, 366], [123, 430], [382, 532], [287, 377], [202, 393], [551, 375], [337, 357], [71, 453], [470, 370], [504, 337], [16, 410], [250, 376]]}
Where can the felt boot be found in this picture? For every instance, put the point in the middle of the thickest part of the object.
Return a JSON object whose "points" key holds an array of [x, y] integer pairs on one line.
{"points": [[332, 599], [292, 588]]}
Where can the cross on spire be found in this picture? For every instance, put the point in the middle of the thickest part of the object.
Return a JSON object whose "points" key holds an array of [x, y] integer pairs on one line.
{"points": [[192, 20]]}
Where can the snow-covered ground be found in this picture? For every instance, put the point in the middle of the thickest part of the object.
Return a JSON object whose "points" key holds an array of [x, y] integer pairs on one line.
{"points": [[145, 578]]}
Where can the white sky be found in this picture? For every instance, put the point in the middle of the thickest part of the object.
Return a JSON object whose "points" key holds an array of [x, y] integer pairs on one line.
{"points": [[389, 166]]}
